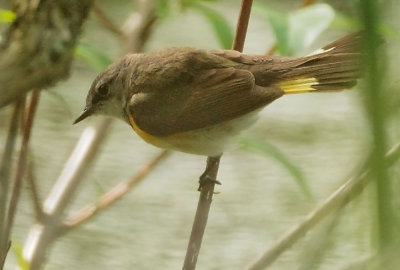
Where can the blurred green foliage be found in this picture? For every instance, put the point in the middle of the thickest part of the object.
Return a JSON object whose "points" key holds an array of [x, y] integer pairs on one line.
{"points": [[266, 149], [220, 25], [96, 59], [6, 16], [22, 263], [295, 31], [222, 29]]}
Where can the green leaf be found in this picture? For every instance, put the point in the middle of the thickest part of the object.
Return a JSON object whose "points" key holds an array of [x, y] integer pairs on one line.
{"points": [[22, 263], [94, 58], [279, 23], [268, 150], [342, 21], [221, 26], [389, 31], [307, 24], [295, 31], [6, 16]]}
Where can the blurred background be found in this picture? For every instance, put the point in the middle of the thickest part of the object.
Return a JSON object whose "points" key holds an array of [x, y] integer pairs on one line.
{"points": [[301, 150]]}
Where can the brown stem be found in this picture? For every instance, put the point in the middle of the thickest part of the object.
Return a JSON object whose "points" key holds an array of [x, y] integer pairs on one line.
{"points": [[106, 22], [210, 174], [21, 164], [33, 188], [347, 192], [207, 182], [114, 194], [307, 3], [241, 28], [43, 234], [139, 25], [5, 175]]}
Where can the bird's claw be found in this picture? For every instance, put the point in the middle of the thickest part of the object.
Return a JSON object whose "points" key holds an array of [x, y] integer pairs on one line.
{"points": [[205, 179]]}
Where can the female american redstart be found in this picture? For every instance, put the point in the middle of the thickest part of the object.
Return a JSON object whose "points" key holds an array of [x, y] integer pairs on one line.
{"points": [[195, 101]]}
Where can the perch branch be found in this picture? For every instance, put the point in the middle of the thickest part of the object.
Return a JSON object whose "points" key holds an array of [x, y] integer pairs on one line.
{"points": [[33, 188], [106, 22], [201, 217], [5, 177], [114, 194], [207, 190], [45, 232], [21, 164]]}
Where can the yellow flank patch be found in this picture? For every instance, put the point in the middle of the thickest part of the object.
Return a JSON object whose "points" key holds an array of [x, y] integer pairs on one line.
{"points": [[299, 85], [145, 136]]}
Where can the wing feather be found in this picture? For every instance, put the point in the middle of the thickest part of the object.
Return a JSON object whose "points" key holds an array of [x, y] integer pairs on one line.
{"points": [[214, 96]]}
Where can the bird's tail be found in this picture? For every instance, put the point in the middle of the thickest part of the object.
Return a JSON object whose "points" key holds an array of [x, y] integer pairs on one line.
{"points": [[333, 68]]}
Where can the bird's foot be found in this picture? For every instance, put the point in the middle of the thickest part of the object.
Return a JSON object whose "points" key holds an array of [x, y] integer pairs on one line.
{"points": [[205, 179]]}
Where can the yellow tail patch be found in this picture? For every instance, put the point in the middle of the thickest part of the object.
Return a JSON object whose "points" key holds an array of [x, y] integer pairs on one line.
{"points": [[299, 85]]}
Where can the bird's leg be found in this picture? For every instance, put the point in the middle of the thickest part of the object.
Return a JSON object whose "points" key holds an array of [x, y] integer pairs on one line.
{"points": [[205, 178]]}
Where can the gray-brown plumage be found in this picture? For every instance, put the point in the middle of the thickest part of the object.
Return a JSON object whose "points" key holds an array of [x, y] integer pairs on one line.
{"points": [[180, 90]]}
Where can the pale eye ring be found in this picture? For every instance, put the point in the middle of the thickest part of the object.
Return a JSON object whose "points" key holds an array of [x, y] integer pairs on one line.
{"points": [[103, 90]]}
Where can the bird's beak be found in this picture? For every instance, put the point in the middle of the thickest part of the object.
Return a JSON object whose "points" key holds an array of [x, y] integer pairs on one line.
{"points": [[86, 112]]}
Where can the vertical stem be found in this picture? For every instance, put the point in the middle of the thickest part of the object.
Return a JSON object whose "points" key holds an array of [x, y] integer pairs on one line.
{"points": [[34, 191], [211, 171], [243, 22], [21, 164], [203, 208], [5, 175], [375, 103]]}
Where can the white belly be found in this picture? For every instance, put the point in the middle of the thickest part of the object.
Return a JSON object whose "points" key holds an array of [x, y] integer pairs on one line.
{"points": [[209, 141]]}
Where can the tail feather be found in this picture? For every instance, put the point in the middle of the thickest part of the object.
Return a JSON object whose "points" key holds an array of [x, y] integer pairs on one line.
{"points": [[349, 43], [336, 68]]}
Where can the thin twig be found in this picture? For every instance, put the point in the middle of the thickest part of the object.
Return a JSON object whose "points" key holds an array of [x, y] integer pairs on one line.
{"points": [[307, 3], [139, 25], [243, 22], [5, 175], [22, 157], [201, 217], [106, 22], [338, 199], [78, 163], [33, 188], [207, 190], [114, 194], [40, 237], [29, 161]]}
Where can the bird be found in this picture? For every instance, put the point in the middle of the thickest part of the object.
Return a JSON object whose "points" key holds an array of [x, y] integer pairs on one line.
{"points": [[196, 101]]}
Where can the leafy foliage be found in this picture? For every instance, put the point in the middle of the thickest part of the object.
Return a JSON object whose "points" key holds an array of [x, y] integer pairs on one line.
{"points": [[93, 57], [266, 149], [6, 16], [22, 262], [295, 31], [220, 25]]}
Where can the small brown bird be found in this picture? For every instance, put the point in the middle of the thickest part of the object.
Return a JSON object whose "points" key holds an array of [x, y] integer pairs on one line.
{"points": [[195, 101]]}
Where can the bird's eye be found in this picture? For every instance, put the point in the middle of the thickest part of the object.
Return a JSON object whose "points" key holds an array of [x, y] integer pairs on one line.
{"points": [[103, 90]]}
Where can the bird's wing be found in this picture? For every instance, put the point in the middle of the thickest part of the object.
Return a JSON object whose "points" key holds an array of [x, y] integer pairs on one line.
{"points": [[213, 96]]}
